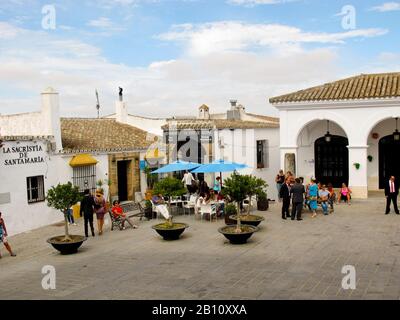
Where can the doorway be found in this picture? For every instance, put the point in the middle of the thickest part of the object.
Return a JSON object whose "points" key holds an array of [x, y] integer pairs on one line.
{"points": [[122, 172], [389, 159], [332, 161]]}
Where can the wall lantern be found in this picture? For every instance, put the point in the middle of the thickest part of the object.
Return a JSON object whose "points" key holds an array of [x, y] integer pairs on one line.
{"points": [[328, 136], [375, 135], [396, 134]]}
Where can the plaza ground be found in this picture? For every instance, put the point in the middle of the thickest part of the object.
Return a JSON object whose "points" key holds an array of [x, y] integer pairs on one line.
{"points": [[284, 260]]}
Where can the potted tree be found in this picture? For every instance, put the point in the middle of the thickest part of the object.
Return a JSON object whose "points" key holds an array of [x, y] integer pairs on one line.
{"points": [[230, 210], [253, 186], [62, 197], [170, 187], [262, 201], [236, 188], [148, 209]]}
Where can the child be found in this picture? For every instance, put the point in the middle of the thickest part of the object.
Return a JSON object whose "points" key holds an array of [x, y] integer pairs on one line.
{"points": [[3, 237]]}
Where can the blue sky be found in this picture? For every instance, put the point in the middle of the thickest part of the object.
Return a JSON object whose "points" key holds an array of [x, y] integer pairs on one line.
{"points": [[171, 56]]}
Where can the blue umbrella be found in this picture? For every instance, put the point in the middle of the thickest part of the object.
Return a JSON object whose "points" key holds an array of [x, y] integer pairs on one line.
{"points": [[178, 165], [219, 166]]}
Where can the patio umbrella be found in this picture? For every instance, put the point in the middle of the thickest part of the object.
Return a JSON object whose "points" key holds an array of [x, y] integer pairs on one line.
{"points": [[178, 165], [220, 166]]}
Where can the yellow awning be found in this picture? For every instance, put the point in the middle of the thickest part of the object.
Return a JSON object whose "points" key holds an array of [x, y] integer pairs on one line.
{"points": [[82, 160], [154, 154]]}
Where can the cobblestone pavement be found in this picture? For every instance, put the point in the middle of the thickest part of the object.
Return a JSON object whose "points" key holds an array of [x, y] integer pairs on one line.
{"points": [[284, 260]]}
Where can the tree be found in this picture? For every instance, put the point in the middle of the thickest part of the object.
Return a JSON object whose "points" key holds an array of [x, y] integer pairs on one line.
{"points": [[237, 188], [169, 187], [62, 197]]}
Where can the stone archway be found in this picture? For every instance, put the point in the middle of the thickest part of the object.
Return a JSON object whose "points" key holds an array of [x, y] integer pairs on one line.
{"points": [[389, 159]]}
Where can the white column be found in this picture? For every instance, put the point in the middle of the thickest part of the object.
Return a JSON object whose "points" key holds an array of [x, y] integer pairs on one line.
{"points": [[358, 178]]}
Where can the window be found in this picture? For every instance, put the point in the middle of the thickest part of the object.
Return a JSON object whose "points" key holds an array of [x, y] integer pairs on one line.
{"points": [[85, 178], [35, 189], [262, 154]]}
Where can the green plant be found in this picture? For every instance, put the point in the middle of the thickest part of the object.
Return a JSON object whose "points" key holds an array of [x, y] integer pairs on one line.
{"points": [[370, 158], [255, 186], [357, 165], [169, 187], [62, 197], [230, 209], [236, 187], [151, 178], [262, 196]]}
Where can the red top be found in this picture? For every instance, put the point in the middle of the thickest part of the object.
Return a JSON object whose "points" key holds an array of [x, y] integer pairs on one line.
{"points": [[117, 211]]}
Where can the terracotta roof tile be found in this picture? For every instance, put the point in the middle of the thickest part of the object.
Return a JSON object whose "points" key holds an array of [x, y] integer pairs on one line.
{"points": [[221, 124], [365, 86], [101, 134]]}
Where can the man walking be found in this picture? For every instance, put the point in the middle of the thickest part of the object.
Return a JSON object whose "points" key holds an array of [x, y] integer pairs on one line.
{"points": [[297, 192], [391, 193], [87, 208], [284, 194]]}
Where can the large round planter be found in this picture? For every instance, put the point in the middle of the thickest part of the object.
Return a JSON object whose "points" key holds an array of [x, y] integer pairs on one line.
{"points": [[170, 233], [257, 220], [67, 247], [262, 205], [237, 238]]}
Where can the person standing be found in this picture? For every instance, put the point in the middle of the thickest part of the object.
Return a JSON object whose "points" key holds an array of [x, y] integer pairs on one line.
{"points": [[70, 216], [297, 192], [280, 180], [3, 237], [87, 209], [217, 185], [100, 210], [188, 180], [391, 193], [284, 194], [313, 197]]}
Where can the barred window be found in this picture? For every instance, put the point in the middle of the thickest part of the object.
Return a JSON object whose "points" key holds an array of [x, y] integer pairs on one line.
{"points": [[85, 178], [35, 189], [262, 154]]}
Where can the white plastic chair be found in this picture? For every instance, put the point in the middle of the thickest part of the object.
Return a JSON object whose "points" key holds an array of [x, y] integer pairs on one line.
{"points": [[211, 209], [190, 204]]}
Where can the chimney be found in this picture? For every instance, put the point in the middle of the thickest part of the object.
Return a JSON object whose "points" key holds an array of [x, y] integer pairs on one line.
{"points": [[233, 104], [121, 112], [51, 115]]}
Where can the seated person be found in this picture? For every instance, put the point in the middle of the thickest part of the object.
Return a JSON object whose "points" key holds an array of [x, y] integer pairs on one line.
{"points": [[118, 213], [324, 197], [161, 207], [332, 196], [345, 194], [199, 202]]}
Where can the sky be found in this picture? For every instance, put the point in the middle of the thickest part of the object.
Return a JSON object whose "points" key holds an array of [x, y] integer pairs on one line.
{"points": [[171, 56]]}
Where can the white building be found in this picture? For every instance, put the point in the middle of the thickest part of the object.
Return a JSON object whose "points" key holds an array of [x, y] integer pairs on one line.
{"points": [[234, 136], [361, 113], [40, 150]]}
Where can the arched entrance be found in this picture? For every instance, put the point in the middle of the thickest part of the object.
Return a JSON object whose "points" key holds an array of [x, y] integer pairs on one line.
{"points": [[332, 160], [389, 159]]}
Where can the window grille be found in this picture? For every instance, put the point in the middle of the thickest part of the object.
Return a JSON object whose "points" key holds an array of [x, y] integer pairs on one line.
{"points": [[262, 154], [85, 178], [35, 189]]}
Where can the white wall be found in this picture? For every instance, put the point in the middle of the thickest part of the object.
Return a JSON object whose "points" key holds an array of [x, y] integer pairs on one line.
{"points": [[356, 118], [18, 214], [240, 146]]}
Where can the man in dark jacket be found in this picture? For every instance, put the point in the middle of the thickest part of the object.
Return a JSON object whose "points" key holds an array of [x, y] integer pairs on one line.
{"points": [[284, 194], [87, 208], [391, 193], [297, 192]]}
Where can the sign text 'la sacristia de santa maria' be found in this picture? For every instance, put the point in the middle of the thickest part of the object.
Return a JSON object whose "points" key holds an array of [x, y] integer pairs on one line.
{"points": [[24, 154]]}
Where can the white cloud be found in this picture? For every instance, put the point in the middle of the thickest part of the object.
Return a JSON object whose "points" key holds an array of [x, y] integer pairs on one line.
{"points": [[232, 35], [387, 6], [101, 22], [252, 3], [7, 31]]}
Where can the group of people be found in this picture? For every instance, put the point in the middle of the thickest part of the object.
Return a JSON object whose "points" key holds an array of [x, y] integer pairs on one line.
{"points": [[97, 204], [292, 190]]}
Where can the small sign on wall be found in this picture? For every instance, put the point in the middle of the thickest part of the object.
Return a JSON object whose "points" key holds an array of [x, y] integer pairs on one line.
{"points": [[5, 198], [142, 164]]}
